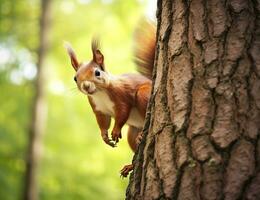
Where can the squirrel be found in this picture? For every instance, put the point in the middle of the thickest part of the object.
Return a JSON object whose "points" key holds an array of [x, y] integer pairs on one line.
{"points": [[122, 97]]}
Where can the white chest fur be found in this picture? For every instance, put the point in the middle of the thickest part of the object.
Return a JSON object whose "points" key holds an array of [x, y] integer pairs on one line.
{"points": [[103, 103]]}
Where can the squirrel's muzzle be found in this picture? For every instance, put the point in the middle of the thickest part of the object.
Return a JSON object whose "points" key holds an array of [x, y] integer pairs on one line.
{"points": [[88, 87]]}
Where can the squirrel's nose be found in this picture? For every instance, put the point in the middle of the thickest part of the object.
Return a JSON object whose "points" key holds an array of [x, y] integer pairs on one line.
{"points": [[86, 86]]}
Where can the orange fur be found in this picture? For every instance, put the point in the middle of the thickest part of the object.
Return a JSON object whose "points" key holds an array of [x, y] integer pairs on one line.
{"points": [[132, 134], [128, 91], [142, 97], [123, 97]]}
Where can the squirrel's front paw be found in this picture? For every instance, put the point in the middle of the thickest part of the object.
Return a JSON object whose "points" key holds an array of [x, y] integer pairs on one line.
{"points": [[116, 135], [108, 141]]}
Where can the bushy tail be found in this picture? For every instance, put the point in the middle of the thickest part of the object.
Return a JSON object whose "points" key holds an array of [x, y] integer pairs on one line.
{"points": [[144, 48]]}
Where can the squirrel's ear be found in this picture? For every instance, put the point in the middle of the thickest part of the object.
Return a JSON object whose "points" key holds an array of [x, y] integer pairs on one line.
{"points": [[73, 58], [99, 58], [97, 55]]}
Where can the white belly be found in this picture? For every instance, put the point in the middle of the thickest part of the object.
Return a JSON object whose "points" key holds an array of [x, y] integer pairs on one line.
{"points": [[135, 119], [103, 103]]}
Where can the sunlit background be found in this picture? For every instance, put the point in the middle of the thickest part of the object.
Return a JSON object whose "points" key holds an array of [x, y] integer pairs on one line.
{"points": [[75, 163]]}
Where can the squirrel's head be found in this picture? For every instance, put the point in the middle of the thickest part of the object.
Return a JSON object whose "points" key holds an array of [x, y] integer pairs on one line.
{"points": [[90, 76]]}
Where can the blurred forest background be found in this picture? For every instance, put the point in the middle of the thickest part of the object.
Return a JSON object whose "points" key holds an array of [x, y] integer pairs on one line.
{"points": [[74, 161]]}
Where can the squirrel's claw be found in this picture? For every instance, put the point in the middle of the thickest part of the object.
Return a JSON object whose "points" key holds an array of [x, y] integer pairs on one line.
{"points": [[116, 136], [138, 139], [111, 143], [126, 170], [108, 141]]}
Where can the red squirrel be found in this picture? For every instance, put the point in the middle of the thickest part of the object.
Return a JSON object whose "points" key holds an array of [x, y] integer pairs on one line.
{"points": [[122, 97]]}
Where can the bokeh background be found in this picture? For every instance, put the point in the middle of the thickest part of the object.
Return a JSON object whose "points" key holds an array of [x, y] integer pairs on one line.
{"points": [[74, 161]]}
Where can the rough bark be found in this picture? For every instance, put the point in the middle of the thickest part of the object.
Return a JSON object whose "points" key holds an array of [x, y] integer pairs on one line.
{"points": [[38, 109], [201, 136]]}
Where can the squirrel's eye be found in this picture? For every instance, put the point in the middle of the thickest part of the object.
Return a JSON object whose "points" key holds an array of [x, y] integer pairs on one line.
{"points": [[97, 73], [75, 79]]}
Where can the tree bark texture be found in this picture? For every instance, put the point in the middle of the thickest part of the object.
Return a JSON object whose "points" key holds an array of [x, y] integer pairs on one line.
{"points": [[38, 109], [201, 136]]}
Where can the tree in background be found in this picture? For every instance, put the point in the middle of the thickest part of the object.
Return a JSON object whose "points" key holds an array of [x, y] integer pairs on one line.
{"points": [[201, 138], [38, 109]]}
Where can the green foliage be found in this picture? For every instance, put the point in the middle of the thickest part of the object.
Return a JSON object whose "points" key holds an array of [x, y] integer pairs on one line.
{"points": [[14, 117], [75, 162]]}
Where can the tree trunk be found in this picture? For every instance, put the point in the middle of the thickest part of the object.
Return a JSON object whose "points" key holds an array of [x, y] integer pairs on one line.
{"points": [[201, 137], [38, 110]]}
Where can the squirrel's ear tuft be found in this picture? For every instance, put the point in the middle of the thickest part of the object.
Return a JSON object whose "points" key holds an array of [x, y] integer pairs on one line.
{"points": [[97, 55], [73, 58]]}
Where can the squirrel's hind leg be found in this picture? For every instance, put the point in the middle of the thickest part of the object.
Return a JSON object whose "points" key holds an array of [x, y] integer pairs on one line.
{"points": [[132, 137], [126, 170]]}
